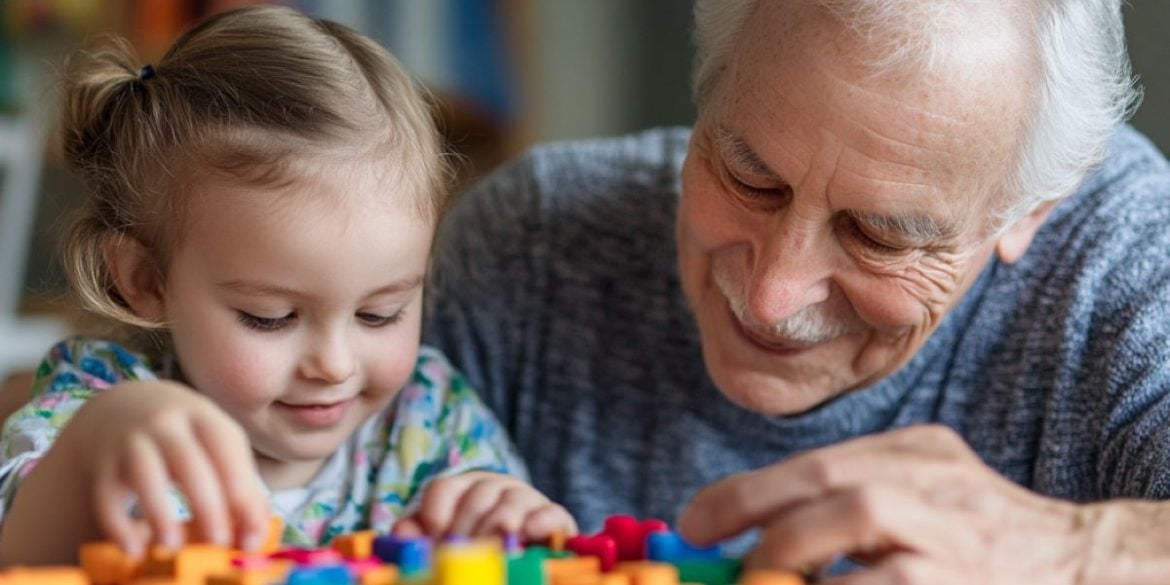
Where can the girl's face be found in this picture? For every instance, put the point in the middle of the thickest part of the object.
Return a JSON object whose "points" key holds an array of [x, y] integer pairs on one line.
{"points": [[297, 308]]}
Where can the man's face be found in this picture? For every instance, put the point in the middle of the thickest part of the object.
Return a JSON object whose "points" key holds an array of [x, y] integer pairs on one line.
{"points": [[831, 218]]}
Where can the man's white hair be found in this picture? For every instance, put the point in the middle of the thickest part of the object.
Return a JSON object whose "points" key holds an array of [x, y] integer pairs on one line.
{"points": [[1084, 91]]}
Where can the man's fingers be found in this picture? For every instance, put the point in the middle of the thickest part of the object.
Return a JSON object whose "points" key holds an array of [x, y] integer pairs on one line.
{"points": [[747, 500], [873, 521], [898, 569]]}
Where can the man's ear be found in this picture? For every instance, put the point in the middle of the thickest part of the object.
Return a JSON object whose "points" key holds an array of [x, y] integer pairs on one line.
{"points": [[1012, 244], [136, 276]]}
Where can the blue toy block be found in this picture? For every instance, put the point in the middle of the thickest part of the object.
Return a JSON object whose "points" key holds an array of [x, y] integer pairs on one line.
{"points": [[320, 575], [669, 547], [412, 555]]}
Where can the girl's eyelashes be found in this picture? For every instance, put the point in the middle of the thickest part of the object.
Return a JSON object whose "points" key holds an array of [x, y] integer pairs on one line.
{"points": [[373, 320], [277, 323], [265, 323]]}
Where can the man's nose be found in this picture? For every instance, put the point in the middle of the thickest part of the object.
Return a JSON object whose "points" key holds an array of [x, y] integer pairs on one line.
{"points": [[790, 270], [331, 359]]}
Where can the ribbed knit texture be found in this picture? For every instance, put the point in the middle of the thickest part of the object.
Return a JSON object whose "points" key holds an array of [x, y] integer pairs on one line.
{"points": [[557, 295]]}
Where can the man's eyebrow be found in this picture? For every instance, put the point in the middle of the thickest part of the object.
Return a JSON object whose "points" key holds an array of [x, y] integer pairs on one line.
{"points": [[738, 154], [257, 288], [920, 228]]}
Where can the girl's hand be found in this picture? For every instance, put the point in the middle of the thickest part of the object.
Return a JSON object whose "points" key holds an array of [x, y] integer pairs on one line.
{"points": [[480, 503], [139, 439]]}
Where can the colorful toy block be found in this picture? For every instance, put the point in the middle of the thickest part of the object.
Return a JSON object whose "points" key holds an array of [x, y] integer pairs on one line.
{"points": [[411, 555], [365, 558], [668, 546], [601, 546], [629, 535]]}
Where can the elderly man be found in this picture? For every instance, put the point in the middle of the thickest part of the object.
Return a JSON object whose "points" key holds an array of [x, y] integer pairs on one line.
{"points": [[899, 295]]}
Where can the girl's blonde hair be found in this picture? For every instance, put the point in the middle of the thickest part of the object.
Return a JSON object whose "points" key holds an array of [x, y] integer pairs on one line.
{"points": [[241, 94]]}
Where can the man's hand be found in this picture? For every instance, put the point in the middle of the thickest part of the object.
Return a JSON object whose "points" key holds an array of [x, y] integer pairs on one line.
{"points": [[914, 505], [480, 503]]}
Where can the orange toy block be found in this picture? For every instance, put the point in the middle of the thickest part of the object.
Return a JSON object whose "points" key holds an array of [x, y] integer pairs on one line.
{"points": [[569, 568], [598, 579], [768, 577], [275, 532], [648, 572], [44, 576], [190, 565], [556, 541], [105, 563], [380, 575], [357, 546]]}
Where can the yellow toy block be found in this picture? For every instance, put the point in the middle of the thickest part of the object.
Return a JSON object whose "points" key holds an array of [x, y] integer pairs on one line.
{"points": [[477, 563], [105, 563]]}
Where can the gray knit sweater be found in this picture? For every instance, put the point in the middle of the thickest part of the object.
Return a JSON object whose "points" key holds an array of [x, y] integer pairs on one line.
{"points": [[558, 296]]}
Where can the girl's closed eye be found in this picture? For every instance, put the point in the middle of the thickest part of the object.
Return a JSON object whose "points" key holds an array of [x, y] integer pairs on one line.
{"points": [[265, 323], [375, 320]]}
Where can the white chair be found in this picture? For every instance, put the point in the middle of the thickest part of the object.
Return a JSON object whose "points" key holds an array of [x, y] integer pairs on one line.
{"points": [[23, 339]]}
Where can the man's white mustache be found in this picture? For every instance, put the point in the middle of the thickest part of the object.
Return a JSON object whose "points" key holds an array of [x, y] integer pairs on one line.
{"points": [[811, 325]]}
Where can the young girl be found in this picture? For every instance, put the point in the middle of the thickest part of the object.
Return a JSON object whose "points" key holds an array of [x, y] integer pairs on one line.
{"points": [[261, 204]]}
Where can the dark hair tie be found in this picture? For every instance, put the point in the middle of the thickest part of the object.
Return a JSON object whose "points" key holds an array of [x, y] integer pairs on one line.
{"points": [[147, 72]]}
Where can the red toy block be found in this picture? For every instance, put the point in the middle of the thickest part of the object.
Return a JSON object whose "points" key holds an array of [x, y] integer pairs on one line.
{"points": [[308, 557], [630, 535], [601, 546]]}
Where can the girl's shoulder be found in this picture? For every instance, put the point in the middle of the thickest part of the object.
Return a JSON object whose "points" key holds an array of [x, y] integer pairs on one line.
{"points": [[89, 363], [436, 396]]}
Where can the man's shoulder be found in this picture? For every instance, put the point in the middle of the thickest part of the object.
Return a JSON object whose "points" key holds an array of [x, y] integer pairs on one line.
{"points": [[650, 159], [1121, 208]]}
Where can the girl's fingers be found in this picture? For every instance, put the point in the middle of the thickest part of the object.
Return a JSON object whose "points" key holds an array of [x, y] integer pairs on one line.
{"points": [[544, 521], [512, 507], [195, 475], [439, 500], [145, 472], [230, 454], [407, 528], [111, 503], [477, 501]]}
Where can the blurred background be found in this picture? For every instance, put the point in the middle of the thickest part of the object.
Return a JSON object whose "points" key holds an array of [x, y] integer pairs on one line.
{"points": [[508, 73]]}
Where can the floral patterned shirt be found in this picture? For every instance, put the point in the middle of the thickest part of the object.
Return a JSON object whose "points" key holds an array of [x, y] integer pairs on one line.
{"points": [[436, 426]]}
